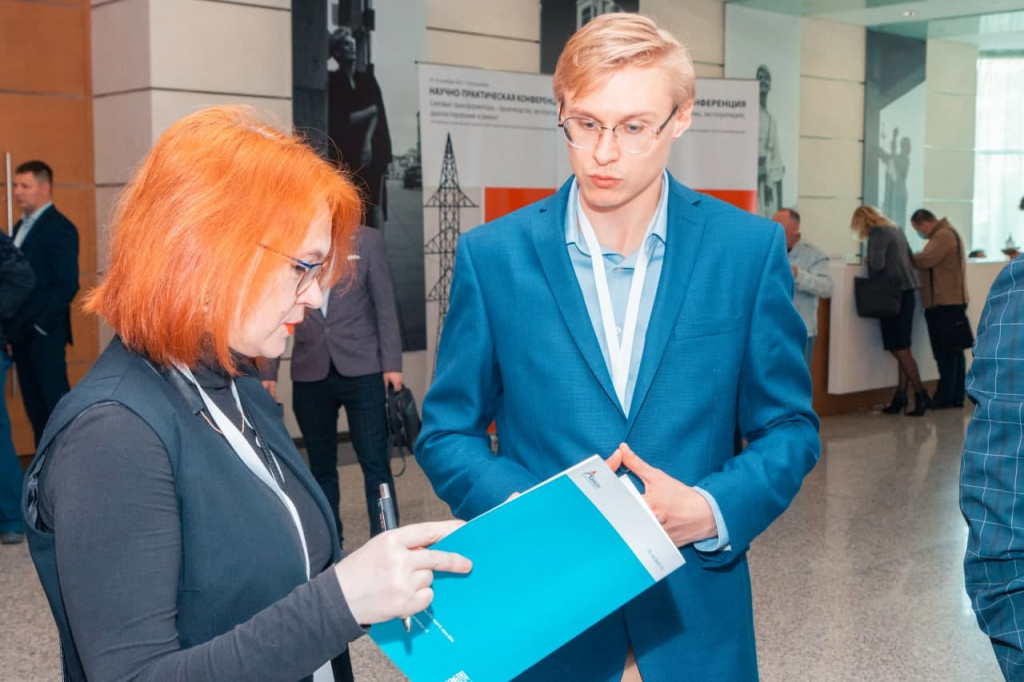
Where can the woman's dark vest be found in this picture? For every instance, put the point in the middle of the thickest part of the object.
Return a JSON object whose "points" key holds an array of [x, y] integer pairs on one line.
{"points": [[240, 549]]}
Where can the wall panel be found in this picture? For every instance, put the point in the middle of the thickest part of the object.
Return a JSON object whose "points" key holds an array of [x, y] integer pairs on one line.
{"points": [[55, 129], [508, 19], [40, 48], [459, 49], [831, 109]]}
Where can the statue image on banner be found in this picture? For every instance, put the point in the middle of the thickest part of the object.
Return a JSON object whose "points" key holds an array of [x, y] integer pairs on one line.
{"points": [[770, 169], [897, 169]]}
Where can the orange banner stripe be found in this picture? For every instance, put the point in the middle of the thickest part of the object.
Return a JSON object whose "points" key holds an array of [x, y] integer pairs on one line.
{"points": [[501, 200], [741, 198]]}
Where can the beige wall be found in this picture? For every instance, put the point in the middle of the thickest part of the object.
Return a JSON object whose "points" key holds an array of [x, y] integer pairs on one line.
{"points": [[831, 131], [949, 133], [491, 35]]}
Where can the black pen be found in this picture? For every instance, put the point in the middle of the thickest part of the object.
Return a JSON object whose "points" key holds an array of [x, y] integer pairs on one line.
{"points": [[389, 522]]}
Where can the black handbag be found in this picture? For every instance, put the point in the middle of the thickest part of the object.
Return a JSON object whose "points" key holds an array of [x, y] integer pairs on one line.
{"points": [[878, 297], [404, 422]]}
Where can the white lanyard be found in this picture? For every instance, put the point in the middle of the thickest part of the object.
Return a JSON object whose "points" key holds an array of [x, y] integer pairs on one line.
{"points": [[620, 351], [248, 455]]}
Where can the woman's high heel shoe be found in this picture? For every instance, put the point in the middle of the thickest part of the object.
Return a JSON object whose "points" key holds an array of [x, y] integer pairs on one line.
{"points": [[922, 401], [898, 404]]}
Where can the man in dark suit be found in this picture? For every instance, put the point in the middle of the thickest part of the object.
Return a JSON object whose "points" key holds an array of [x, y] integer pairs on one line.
{"points": [[345, 355], [42, 328]]}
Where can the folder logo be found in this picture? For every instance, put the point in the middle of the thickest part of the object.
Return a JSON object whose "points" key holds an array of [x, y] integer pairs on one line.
{"points": [[591, 477], [460, 676]]}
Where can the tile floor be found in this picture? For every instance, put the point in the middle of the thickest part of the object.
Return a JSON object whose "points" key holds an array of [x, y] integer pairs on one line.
{"points": [[860, 580]]}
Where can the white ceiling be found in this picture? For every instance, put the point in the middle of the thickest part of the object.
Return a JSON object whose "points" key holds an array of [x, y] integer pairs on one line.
{"points": [[993, 25]]}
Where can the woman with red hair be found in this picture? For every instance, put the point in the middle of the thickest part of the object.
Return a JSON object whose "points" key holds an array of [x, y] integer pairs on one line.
{"points": [[176, 531]]}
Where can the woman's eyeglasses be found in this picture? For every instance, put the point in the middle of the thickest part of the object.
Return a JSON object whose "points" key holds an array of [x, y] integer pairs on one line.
{"points": [[307, 272]]}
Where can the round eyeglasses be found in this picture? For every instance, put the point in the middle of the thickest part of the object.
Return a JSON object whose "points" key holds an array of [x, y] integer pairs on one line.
{"points": [[307, 272], [632, 137]]}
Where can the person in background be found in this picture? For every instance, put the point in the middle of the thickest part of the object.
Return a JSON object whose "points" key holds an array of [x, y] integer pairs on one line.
{"points": [[888, 255], [811, 280], [41, 330], [544, 338], [346, 354], [176, 531], [16, 283], [357, 125], [943, 268], [991, 481]]}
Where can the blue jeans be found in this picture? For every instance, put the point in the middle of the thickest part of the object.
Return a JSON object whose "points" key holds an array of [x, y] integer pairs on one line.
{"points": [[10, 467], [809, 349]]}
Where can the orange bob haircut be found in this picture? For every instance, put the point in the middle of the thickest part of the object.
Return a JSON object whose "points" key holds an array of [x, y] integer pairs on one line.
{"points": [[615, 40], [186, 259]]}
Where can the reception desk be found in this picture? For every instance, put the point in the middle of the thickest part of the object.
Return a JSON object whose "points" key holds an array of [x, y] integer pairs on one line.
{"points": [[856, 360]]}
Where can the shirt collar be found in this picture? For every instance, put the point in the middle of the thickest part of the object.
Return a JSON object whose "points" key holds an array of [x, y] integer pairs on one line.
{"points": [[31, 217], [659, 231]]}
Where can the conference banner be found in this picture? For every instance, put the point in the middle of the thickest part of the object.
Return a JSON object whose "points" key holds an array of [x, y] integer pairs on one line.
{"points": [[718, 154], [490, 144]]}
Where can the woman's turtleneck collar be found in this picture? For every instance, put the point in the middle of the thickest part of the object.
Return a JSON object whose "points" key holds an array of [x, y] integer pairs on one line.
{"points": [[212, 375]]}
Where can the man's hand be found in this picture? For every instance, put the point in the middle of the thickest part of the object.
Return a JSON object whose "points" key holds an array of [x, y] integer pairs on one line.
{"points": [[394, 380], [271, 387], [684, 513], [794, 269]]}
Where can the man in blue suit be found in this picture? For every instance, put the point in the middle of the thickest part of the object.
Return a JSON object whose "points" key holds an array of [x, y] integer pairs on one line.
{"points": [[628, 309], [42, 328]]}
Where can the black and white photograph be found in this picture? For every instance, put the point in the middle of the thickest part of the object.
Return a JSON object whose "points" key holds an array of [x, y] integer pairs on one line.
{"points": [[355, 79], [559, 19], [766, 46], [894, 124]]}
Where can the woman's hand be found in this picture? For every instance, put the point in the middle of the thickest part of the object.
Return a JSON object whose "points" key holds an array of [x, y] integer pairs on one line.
{"points": [[390, 576]]}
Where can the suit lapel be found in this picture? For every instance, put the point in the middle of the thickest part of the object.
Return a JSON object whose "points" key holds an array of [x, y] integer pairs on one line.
{"points": [[38, 225], [548, 226], [686, 226]]}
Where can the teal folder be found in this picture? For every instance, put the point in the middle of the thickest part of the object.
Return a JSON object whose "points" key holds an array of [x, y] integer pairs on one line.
{"points": [[546, 566]]}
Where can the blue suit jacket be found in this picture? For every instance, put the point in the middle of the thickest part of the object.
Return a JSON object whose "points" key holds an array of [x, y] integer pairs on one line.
{"points": [[724, 346], [991, 475]]}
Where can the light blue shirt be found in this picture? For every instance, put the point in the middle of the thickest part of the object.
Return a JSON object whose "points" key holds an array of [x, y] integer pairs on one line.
{"points": [[27, 221], [619, 271], [812, 282]]}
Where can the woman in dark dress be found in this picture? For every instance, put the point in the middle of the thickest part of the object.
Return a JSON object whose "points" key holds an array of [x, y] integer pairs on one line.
{"points": [[176, 531], [889, 256]]}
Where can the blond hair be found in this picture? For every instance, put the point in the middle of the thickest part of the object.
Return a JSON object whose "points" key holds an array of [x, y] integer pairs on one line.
{"points": [[865, 217], [615, 40]]}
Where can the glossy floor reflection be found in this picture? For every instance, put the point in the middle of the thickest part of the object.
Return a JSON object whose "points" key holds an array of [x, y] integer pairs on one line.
{"points": [[860, 580]]}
